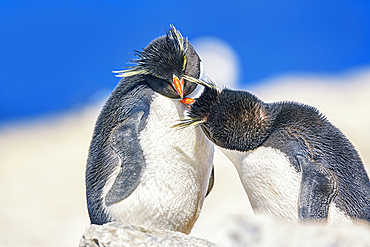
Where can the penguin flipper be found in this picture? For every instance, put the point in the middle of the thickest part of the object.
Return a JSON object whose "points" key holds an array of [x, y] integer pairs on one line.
{"points": [[124, 141], [318, 188], [211, 181]]}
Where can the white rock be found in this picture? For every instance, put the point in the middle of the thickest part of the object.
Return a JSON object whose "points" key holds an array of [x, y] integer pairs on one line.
{"points": [[116, 234]]}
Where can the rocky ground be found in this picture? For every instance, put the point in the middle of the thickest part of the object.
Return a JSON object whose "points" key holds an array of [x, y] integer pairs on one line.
{"points": [[42, 166]]}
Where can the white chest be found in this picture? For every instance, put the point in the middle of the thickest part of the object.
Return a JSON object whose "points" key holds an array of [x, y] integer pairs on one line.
{"points": [[178, 166], [273, 185]]}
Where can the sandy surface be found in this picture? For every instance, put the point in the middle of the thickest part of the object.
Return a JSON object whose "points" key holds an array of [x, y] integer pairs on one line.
{"points": [[42, 162]]}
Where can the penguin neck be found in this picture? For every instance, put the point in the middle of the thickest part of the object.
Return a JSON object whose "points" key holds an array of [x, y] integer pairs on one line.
{"points": [[235, 120], [251, 120]]}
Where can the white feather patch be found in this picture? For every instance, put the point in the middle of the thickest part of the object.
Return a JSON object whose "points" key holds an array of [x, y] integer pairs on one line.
{"points": [[269, 180], [337, 217], [175, 181], [273, 185]]}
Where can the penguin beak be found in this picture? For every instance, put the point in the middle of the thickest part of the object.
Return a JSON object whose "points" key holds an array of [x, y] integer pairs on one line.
{"points": [[178, 85], [187, 101]]}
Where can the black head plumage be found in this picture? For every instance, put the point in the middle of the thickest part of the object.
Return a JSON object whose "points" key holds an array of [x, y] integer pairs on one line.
{"points": [[163, 59], [236, 120]]}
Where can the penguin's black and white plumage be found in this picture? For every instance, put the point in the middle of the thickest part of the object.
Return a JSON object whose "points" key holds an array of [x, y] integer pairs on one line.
{"points": [[293, 163], [139, 170]]}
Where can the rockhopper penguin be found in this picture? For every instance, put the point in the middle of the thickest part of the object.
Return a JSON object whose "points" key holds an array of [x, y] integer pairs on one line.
{"points": [[139, 170], [293, 163]]}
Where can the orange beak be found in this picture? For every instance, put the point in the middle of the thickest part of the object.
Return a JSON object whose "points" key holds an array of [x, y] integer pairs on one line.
{"points": [[187, 101], [178, 85]]}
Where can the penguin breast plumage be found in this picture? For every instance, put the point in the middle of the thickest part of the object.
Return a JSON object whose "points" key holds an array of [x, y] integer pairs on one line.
{"points": [[273, 185], [269, 180], [173, 185]]}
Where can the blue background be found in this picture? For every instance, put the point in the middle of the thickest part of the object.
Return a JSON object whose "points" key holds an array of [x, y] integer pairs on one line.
{"points": [[57, 55]]}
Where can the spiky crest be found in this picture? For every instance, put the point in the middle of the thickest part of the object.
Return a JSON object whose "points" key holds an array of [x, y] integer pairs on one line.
{"points": [[140, 64]]}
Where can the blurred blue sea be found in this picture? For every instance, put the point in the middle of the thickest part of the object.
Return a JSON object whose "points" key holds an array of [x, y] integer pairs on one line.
{"points": [[57, 55]]}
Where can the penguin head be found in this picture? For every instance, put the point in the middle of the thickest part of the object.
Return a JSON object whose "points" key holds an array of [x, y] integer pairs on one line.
{"points": [[164, 62], [235, 120]]}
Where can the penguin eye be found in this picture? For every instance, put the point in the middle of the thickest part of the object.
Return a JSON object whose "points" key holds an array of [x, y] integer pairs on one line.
{"points": [[189, 87], [192, 69], [161, 86]]}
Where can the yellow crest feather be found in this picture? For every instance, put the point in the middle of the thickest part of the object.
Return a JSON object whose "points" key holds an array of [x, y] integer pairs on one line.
{"points": [[180, 39], [208, 83], [130, 72], [187, 123]]}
